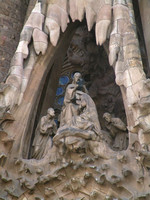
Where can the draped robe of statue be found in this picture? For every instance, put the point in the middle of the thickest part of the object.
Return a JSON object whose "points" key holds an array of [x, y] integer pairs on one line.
{"points": [[88, 118], [80, 120], [42, 141], [118, 131], [69, 108]]}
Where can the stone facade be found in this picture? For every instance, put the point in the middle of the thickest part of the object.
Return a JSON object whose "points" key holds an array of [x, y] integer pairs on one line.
{"points": [[100, 148], [12, 15]]}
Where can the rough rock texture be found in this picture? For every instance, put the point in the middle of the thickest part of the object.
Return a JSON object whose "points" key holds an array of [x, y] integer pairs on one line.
{"points": [[12, 14]]}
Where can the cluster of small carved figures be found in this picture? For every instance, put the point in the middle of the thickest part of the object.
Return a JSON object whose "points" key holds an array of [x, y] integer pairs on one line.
{"points": [[80, 143], [79, 160], [78, 123]]}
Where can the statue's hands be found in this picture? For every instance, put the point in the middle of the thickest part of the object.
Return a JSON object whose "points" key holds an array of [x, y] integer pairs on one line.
{"points": [[36, 149], [43, 131]]}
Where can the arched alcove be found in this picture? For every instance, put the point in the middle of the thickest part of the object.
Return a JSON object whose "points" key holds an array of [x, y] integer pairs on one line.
{"points": [[98, 172], [82, 55], [47, 65]]}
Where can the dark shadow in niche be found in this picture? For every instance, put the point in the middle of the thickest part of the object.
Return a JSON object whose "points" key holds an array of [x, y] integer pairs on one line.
{"points": [[47, 89], [83, 55], [38, 114]]}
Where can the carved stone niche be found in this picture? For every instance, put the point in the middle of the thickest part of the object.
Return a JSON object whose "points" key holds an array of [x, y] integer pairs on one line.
{"points": [[82, 163], [83, 55]]}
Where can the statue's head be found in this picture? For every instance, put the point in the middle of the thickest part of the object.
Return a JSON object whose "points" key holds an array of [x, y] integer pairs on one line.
{"points": [[83, 103], [107, 117], [76, 77], [51, 112]]}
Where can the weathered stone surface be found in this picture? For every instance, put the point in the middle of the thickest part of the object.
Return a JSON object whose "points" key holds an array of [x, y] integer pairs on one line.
{"points": [[145, 16], [11, 21], [40, 41], [83, 161], [35, 20]]}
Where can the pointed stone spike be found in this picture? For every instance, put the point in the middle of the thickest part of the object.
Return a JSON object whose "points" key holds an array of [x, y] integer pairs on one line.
{"points": [[40, 41], [101, 31], [76, 9], [73, 9], [54, 36], [58, 13], [90, 17], [54, 30], [37, 8], [64, 19], [80, 9]]}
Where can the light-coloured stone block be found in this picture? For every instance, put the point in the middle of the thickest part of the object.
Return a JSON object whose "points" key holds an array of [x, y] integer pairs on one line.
{"points": [[113, 54], [124, 27], [136, 74], [53, 29], [16, 70], [121, 12], [76, 9], [90, 17], [104, 13], [131, 96], [23, 48], [115, 28], [59, 15], [35, 20], [14, 80], [17, 59], [37, 8], [26, 33], [127, 79], [119, 67], [39, 35]]}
